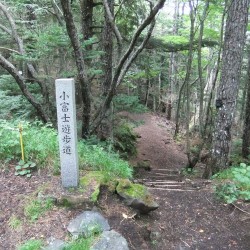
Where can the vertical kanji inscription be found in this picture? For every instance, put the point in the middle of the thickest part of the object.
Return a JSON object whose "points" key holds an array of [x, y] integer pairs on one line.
{"points": [[67, 135]]}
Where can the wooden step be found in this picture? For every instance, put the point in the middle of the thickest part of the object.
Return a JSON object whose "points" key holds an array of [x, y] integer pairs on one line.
{"points": [[163, 170], [163, 177]]}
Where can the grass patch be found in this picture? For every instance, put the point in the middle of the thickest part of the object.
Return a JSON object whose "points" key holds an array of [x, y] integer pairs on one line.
{"points": [[31, 245], [96, 158], [15, 223], [34, 208]]}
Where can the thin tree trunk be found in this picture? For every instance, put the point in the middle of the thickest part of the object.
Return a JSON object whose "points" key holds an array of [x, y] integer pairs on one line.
{"points": [[188, 72], [187, 77], [201, 99], [172, 64]]}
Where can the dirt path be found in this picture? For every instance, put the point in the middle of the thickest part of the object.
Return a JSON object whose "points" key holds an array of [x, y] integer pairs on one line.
{"points": [[186, 219], [156, 143]]}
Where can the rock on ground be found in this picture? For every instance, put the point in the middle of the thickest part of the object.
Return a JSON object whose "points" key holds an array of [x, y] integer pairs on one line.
{"points": [[110, 240], [87, 224]]}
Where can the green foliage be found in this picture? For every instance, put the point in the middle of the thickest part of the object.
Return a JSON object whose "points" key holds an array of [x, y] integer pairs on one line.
{"points": [[134, 11], [41, 147], [125, 139], [24, 168], [129, 103], [40, 142], [36, 207], [31, 245], [44, 43], [109, 163], [168, 39], [14, 104], [235, 183], [227, 192]]}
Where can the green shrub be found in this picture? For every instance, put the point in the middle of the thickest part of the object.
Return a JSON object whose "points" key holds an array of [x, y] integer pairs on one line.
{"points": [[31, 245], [40, 142], [41, 147], [235, 183]]}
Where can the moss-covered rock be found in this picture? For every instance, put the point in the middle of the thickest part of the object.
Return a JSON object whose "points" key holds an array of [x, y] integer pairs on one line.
{"points": [[136, 196], [90, 184], [144, 164], [74, 200]]}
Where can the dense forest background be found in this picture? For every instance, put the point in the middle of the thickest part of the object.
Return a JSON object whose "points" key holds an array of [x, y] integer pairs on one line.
{"points": [[188, 59]]}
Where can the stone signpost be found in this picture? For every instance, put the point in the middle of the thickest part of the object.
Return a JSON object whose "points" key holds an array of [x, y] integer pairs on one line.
{"points": [[67, 131]]}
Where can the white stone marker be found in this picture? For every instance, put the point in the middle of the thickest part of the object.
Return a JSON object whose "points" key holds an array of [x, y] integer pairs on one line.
{"points": [[66, 120]]}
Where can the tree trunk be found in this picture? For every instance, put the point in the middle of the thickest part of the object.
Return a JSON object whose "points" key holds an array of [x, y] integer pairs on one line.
{"points": [[72, 32], [201, 99], [86, 7], [172, 64], [187, 76], [107, 45], [246, 131], [228, 89]]}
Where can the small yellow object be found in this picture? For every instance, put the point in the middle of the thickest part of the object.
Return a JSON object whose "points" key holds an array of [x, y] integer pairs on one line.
{"points": [[21, 140]]}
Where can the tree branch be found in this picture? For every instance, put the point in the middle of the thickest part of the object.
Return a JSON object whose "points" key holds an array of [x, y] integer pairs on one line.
{"points": [[136, 53], [13, 28], [5, 29], [21, 83], [58, 13], [112, 23]]}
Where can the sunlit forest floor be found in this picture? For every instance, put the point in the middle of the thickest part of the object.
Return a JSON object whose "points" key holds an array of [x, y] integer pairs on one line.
{"points": [[189, 215]]}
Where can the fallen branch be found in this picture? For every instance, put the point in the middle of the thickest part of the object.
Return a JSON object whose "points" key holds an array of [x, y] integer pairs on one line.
{"points": [[240, 209]]}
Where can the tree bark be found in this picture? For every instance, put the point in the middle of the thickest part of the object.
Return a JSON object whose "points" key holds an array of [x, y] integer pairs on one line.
{"points": [[86, 7], [72, 32], [200, 72], [109, 18], [228, 89], [107, 45], [246, 130]]}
